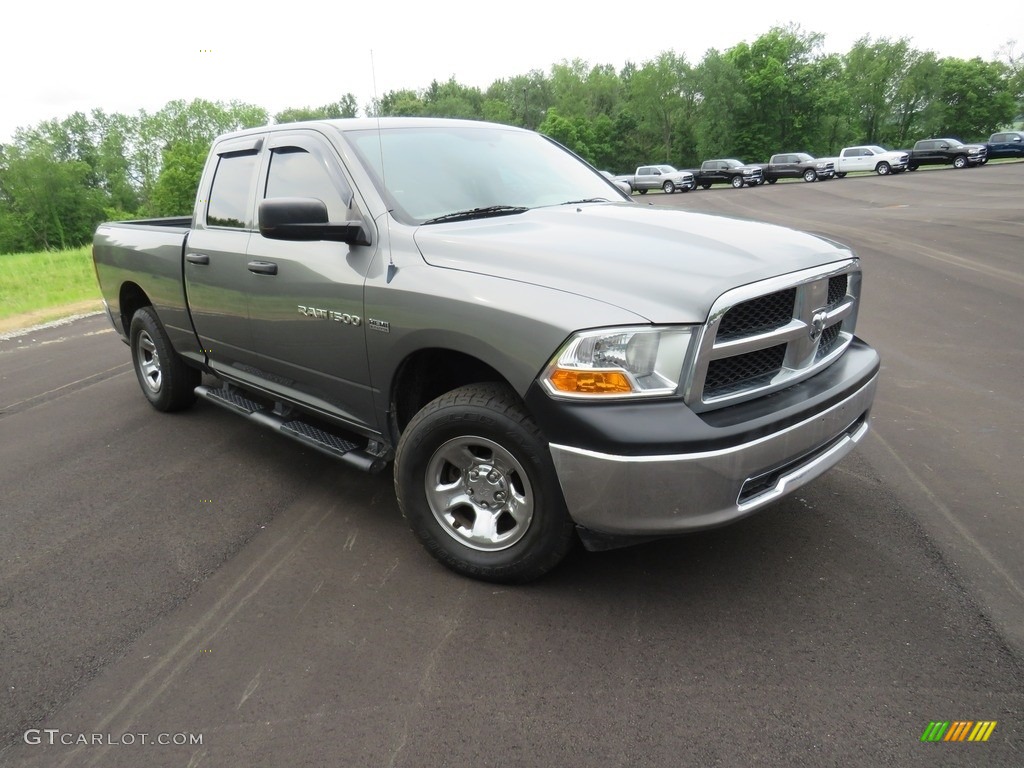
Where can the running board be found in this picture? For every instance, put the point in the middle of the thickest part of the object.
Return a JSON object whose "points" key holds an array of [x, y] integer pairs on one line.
{"points": [[328, 443]]}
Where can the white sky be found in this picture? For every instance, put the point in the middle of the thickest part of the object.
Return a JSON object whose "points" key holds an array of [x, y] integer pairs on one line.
{"points": [[62, 57]]}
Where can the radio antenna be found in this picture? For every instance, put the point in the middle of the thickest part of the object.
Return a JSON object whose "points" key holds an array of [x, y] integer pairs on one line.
{"points": [[392, 267]]}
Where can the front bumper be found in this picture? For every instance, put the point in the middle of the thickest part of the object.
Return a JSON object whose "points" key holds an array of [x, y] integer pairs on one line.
{"points": [[648, 495]]}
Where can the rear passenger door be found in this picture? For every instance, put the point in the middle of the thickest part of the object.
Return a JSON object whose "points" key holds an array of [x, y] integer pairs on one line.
{"points": [[214, 269]]}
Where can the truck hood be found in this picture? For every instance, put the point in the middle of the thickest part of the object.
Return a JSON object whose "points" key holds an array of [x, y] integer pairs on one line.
{"points": [[665, 266]]}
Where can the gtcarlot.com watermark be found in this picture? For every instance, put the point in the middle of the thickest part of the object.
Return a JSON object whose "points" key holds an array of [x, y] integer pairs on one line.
{"points": [[53, 736]]}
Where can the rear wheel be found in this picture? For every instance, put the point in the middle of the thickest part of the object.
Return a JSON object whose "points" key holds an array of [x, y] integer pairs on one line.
{"points": [[642, 191], [772, 180], [810, 175], [840, 174], [705, 186], [475, 481], [668, 187], [166, 381]]}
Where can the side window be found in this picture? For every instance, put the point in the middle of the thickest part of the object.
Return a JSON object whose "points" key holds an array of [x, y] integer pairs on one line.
{"points": [[294, 172], [231, 195]]}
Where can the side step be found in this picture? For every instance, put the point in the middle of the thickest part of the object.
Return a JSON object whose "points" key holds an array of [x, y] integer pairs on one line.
{"points": [[328, 443]]}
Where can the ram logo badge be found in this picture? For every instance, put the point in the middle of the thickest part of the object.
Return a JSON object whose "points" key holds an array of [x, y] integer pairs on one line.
{"points": [[330, 314], [818, 321]]}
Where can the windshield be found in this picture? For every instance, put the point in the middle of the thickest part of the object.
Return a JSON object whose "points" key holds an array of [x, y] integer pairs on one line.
{"points": [[803, 157], [734, 163], [877, 149], [429, 173], [666, 168]]}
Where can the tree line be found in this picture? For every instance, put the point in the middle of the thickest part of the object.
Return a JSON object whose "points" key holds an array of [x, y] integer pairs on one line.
{"points": [[781, 93]]}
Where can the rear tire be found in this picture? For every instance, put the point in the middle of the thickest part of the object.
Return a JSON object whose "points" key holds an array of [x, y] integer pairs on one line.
{"points": [[475, 481], [840, 174], [166, 381], [642, 191], [705, 186]]}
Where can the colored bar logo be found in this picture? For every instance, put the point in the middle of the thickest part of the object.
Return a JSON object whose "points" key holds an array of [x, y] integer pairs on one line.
{"points": [[958, 730]]}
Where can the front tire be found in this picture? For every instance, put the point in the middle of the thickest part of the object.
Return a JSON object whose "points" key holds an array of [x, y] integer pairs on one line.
{"points": [[166, 381], [737, 182], [960, 161], [475, 481], [668, 187], [883, 169], [810, 175]]}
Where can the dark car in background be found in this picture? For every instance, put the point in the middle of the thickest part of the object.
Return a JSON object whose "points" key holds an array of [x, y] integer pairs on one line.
{"points": [[1006, 144]]}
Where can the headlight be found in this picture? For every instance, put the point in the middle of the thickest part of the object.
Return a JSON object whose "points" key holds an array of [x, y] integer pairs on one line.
{"points": [[619, 362]]}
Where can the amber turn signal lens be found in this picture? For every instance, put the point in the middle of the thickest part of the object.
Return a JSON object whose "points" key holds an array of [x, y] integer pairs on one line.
{"points": [[591, 382]]}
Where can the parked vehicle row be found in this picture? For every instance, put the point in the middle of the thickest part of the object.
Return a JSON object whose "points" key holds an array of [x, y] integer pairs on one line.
{"points": [[796, 165]]}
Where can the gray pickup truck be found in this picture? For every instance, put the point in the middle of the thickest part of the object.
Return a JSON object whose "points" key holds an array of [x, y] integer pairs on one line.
{"points": [[541, 359], [663, 177]]}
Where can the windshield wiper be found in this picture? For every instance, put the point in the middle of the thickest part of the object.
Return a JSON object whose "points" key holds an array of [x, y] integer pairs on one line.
{"points": [[587, 200], [478, 213]]}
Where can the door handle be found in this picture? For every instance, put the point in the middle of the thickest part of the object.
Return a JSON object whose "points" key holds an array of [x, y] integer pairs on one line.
{"points": [[263, 267], [197, 258]]}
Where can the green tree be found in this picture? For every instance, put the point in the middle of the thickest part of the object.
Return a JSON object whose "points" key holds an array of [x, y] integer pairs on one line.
{"points": [[344, 107], [973, 98], [47, 202]]}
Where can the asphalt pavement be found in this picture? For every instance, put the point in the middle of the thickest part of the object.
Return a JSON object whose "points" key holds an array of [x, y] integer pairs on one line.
{"points": [[193, 579]]}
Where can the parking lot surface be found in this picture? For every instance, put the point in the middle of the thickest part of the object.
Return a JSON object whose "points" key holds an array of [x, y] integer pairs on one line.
{"points": [[195, 578]]}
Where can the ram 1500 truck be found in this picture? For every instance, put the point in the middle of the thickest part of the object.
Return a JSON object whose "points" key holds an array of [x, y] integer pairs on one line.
{"points": [[1005, 144], [541, 359], [797, 165], [663, 177], [728, 171], [870, 158], [946, 152]]}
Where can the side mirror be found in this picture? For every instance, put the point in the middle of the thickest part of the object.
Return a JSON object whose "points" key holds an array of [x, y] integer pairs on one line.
{"points": [[305, 219], [624, 188]]}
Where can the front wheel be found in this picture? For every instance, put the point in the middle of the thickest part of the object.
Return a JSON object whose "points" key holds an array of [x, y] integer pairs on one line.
{"points": [[810, 175], [959, 161], [166, 381], [668, 187], [883, 169], [475, 481], [737, 182]]}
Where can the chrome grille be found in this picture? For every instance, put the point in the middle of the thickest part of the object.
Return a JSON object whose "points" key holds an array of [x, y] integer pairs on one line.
{"points": [[766, 336], [761, 314]]}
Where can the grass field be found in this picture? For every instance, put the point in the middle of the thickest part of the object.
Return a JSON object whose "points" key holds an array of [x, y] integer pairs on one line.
{"points": [[31, 282]]}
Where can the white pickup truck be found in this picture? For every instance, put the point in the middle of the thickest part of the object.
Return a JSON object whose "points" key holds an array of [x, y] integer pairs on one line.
{"points": [[870, 157]]}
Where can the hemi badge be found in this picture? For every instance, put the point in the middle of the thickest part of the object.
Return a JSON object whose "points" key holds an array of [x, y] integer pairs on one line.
{"points": [[378, 325]]}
